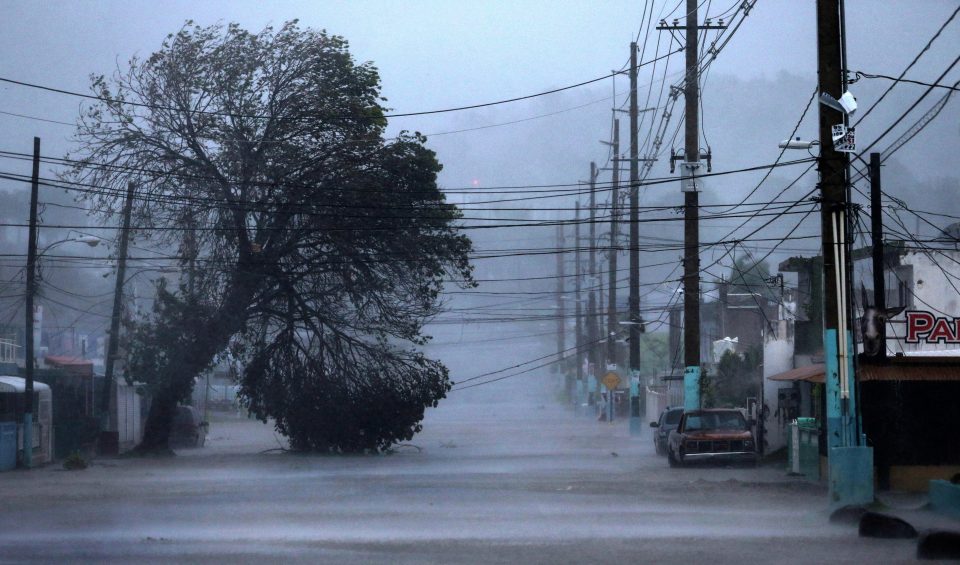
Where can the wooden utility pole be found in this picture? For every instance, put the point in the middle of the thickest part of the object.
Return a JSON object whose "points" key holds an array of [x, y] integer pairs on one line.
{"points": [[691, 211], [31, 291], [106, 423], [690, 185], [833, 215], [612, 317], [635, 319], [561, 321], [592, 328], [876, 225], [850, 461], [579, 315]]}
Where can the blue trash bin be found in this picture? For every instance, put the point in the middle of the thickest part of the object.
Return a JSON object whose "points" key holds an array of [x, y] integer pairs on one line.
{"points": [[8, 446]]}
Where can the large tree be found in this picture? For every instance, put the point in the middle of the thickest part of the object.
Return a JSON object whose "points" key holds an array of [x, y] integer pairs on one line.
{"points": [[314, 250], [750, 276]]}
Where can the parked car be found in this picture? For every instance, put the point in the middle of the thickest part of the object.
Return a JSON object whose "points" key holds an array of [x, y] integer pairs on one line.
{"points": [[719, 434], [189, 429], [668, 421]]}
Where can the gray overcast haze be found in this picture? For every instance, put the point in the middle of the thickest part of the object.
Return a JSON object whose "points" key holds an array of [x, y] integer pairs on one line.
{"points": [[437, 55], [505, 473], [442, 54]]}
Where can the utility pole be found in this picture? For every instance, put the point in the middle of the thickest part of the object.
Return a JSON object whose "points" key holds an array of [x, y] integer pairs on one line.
{"points": [[876, 225], [579, 319], [635, 320], [561, 321], [879, 289], [601, 311], [691, 214], [592, 329], [689, 169], [106, 425], [612, 317], [850, 461], [31, 290]]}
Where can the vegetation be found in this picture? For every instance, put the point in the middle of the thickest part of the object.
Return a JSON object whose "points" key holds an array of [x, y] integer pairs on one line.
{"points": [[75, 462], [655, 354], [313, 250], [737, 378], [750, 276]]}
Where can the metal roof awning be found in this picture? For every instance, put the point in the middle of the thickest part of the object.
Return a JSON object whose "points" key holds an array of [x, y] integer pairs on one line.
{"points": [[810, 373], [898, 369], [67, 361], [927, 369], [72, 365]]}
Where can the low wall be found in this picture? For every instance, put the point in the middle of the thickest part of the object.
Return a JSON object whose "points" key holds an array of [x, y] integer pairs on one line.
{"points": [[916, 478], [945, 497]]}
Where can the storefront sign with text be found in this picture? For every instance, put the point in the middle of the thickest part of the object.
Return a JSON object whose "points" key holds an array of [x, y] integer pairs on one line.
{"points": [[925, 327]]}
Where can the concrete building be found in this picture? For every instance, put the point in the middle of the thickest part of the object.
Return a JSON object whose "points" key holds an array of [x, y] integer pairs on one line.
{"points": [[909, 396]]}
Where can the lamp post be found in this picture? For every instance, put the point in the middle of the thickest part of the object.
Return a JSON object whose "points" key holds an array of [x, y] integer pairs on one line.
{"points": [[32, 258]]}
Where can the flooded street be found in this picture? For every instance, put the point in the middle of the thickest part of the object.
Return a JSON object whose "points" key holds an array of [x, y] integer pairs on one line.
{"points": [[484, 483], [461, 223]]}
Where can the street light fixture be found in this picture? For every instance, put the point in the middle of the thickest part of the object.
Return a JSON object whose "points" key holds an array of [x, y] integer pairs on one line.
{"points": [[797, 143], [89, 240]]}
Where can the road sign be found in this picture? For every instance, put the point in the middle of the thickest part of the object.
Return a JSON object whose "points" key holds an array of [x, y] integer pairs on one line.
{"points": [[611, 380]]}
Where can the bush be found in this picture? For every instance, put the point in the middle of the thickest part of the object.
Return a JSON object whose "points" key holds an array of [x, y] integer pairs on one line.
{"points": [[350, 410], [75, 462]]}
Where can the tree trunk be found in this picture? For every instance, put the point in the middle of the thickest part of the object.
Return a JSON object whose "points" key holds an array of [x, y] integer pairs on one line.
{"points": [[208, 338], [156, 434]]}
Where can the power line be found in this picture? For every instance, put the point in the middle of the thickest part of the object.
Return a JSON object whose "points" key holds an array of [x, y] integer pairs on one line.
{"points": [[782, 151], [365, 227], [912, 106], [573, 187], [909, 66], [860, 74], [267, 116]]}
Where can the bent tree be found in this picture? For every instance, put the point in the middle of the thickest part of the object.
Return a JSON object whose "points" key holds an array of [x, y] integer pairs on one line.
{"points": [[312, 249]]}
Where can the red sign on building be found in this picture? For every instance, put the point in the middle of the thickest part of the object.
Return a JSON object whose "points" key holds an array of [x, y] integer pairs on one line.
{"points": [[925, 327]]}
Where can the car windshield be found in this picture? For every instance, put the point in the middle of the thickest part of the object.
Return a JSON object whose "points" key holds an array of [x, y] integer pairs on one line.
{"points": [[672, 417], [715, 421]]}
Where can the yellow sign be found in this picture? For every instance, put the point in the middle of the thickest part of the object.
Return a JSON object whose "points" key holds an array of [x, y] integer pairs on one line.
{"points": [[611, 380]]}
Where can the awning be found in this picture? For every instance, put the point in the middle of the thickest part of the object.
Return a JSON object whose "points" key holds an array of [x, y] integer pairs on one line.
{"points": [[898, 369], [905, 369], [71, 365], [809, 373]]}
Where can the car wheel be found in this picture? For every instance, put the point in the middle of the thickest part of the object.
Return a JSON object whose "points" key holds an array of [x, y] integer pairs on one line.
{"points": [[673, 461]]}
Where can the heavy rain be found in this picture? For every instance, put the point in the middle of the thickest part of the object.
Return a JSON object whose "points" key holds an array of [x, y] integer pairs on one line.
{"points": [[666, 281]]}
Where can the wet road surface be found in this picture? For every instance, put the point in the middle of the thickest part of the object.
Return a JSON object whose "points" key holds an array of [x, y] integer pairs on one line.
{"points": [[501, 482]]}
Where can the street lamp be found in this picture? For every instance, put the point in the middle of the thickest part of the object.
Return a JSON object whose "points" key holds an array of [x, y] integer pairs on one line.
{"points": [[90, 240], [32, 258], [798, 143]]}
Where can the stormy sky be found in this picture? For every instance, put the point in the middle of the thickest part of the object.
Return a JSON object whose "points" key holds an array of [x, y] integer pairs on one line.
{"points": [[445, 54], [442, 54]]}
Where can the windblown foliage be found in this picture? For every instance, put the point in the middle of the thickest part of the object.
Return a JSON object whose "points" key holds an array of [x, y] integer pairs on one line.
{"points": [[316, 249]]}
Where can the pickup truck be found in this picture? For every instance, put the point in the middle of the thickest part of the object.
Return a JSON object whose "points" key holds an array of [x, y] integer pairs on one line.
{"points": [[717, 434]]}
